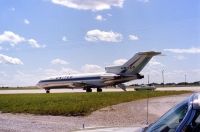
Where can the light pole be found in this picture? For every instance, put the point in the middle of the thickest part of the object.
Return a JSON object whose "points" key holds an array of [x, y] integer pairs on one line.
{"points": [[185, 79], [147, 122], [163, 78]]}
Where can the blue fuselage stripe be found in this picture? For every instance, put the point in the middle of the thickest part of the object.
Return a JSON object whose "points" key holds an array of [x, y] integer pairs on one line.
{"points": [[70, 79]]}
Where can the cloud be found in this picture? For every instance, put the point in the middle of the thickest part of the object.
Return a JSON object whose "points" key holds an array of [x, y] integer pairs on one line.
{"points": [[12, 9], [59, 72], [108, 14], [1, 48], [30, 78], [10, 60], [11, 37], [100, 18], [97, 35], [180, 57], [64, 38], [14, 39], [35, 44], [154, 70], [186, 51], [119, 62], [153, 67], [59, 61], [2, 73], [178, 75], [154, 62], [133, 37], [26, 21], [94, 5], [90, 68], [145, 1]]}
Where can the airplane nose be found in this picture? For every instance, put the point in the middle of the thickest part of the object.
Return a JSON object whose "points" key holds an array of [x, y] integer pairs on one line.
{"points": [[38, 85]]}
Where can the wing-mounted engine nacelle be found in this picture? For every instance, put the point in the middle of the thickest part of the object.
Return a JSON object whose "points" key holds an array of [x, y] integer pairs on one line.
{"points": [[139, 76]]}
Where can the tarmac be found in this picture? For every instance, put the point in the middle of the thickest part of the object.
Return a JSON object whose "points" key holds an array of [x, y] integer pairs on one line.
{"points": [[195, 89]]}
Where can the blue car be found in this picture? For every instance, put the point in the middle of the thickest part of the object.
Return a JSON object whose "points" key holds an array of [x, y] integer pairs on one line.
{"points": [[184, 117]]}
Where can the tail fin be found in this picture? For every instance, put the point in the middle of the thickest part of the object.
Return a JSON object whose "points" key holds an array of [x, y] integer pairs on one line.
{"points": [[134, 65]]}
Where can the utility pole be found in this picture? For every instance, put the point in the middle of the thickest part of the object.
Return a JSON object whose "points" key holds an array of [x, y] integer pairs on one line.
{"points": [[147, 103], [185, 79], [163, 78]]}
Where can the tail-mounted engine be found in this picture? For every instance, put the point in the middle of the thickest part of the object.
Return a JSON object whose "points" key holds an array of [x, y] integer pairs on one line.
{"points": [[139, 76]]}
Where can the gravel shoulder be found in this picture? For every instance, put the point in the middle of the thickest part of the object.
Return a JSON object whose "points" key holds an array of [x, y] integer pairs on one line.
{"points": [[125, 114]]}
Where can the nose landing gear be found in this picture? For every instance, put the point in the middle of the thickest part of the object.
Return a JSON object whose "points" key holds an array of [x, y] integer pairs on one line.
{"points": [[47, 91], [88, 90]]}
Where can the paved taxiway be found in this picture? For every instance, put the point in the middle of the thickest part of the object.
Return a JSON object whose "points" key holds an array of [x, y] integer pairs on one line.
{"points": [[196, 89]]}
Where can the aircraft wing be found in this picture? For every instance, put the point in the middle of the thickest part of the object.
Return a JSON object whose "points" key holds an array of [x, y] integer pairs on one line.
{"points": [[107, 79], [81, 84], [110, 79]]}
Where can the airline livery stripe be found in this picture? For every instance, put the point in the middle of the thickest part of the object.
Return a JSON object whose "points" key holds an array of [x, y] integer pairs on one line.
{"points": [[71, 79]]}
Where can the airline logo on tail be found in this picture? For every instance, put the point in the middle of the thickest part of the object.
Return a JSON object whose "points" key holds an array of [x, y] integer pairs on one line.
{"points": [[132, 65]]}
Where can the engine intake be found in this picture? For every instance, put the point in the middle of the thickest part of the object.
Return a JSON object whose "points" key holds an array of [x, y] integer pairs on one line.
{"points": [[139, 76]]}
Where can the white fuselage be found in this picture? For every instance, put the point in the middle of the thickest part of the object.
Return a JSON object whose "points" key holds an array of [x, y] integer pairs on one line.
{"points": [[92, 80]]}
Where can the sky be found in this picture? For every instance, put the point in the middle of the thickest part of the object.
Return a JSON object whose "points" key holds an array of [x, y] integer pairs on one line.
{"points": [[44, 38]]}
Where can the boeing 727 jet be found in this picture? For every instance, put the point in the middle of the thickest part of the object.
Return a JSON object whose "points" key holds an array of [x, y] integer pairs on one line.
{"points": [[113, 76]]}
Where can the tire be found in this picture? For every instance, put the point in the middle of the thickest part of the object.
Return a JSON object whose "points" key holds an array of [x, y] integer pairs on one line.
{"points": [[47, 91], [88, 90], [99, 90]]}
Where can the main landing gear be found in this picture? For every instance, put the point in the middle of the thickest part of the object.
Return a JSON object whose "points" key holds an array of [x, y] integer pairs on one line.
{"points": [[99, 90], [90, 90], [47, 91]]}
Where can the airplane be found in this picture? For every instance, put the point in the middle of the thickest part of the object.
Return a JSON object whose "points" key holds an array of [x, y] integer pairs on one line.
{"points": [[113, 76]]}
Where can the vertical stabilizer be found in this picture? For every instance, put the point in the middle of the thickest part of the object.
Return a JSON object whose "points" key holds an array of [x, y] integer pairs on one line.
{"points": [[134, 65]]}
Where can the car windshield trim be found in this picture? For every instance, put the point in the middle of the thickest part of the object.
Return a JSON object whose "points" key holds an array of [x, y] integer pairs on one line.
{"points": [[170, 119]]}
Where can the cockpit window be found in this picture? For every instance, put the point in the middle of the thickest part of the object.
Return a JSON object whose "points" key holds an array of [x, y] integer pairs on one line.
{"points": [[169, 121]]}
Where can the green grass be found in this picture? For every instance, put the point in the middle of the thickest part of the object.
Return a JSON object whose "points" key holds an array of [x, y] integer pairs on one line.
{"points": [[71, 104]]}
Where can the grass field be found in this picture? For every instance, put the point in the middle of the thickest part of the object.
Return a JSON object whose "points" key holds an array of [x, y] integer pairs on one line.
{"points": [[71, 104]]}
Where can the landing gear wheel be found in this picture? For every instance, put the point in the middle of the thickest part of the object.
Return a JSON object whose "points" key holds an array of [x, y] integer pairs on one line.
{"points": [[99, 90], [88, 90], [47, 91]]}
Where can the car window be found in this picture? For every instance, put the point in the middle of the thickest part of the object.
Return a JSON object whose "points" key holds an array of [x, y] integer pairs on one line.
{"points": [[194, 126], [170, 121]]}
